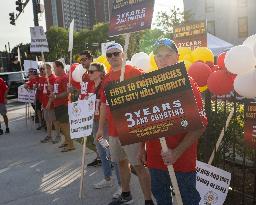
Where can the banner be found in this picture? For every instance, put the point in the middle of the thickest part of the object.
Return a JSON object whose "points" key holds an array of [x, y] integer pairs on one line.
{"points": [[81, 115], [38, 40], [192, 35], [212, 184], [130, 16], [153, 105], [30, 64], [250, 123], [26, 95]]}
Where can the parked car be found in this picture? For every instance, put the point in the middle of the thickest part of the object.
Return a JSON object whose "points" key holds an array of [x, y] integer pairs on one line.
{"points": [[13, 80]]}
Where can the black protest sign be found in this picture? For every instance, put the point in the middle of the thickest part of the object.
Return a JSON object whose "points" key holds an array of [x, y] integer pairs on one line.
{"points": [[130, 16], [250, 123], [153, 105]]}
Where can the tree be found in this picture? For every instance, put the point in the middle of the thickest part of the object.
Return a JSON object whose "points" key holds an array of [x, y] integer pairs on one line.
{"points": [[166, 21], [148, 39], [58, 43]]}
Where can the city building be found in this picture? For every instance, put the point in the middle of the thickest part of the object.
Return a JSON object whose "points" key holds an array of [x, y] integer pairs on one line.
{"points": [[102, 10], [230, 20], [61, 12], [85, 12]]}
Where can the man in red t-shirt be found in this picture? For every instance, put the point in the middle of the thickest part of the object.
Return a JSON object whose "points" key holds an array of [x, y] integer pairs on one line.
{"points": [[182, 153], [59, 97], [3, 101], [122, 154], [33, 84], [49, 114]]}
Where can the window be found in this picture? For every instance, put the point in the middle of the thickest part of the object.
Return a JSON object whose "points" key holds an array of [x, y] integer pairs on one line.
{"points": [[242, 3], [243, 27], [211, 27], [209, 6]]}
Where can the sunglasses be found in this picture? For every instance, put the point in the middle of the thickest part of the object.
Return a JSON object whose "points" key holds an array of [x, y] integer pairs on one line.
{"points": [[92, 71], [109, 55], [84, 59]]}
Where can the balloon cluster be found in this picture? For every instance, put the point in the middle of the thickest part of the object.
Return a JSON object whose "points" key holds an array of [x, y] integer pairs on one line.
{"points": [[199, 64], [143, 61], [241, 60]]}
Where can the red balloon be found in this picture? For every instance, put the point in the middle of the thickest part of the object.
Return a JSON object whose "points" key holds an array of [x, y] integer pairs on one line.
{"points": [[220, 82], [210, 64], [220, 60], [200, 73], [215, 68]]}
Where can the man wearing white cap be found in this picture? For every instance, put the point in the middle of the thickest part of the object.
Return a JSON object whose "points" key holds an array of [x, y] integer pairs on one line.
{"points": [[122, 154]]}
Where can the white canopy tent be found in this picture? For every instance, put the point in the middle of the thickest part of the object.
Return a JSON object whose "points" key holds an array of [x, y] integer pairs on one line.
{"points": [[217, 45]]}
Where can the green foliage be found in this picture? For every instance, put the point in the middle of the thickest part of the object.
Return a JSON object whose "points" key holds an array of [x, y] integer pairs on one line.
{"points": [[166, 21], [148, 39], [58, 43]]}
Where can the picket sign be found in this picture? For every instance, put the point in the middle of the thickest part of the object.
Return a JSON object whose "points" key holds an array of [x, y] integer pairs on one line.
{"points": [[212, 183], [177, 196], [126, 46], [221, 136], [83, 167], [70, 47]]}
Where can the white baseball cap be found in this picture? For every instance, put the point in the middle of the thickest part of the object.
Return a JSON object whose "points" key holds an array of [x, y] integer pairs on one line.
{"points": [[116, 46]]}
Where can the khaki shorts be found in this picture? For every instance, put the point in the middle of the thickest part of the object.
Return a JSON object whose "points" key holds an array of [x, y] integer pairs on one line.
{"points": [[119, 153], [3, 109], [49, 115]]}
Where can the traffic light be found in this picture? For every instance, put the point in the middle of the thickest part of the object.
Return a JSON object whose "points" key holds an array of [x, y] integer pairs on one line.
{"points": [[19, 5], [12, 18]]}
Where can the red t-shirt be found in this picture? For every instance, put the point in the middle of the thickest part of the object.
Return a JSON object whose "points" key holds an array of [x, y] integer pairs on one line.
{"points": [[40, 87], [187, 161], [45, 91], [3, 89], [60, 86], [32, 83], [130, 72], [97, 91]]}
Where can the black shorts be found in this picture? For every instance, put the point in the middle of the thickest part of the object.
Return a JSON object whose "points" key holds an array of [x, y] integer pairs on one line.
{"points": [[61, 113], [37, 106]]}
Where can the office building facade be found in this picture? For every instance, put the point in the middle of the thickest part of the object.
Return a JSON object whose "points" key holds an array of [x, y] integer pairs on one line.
{"points": [[230, 20]]}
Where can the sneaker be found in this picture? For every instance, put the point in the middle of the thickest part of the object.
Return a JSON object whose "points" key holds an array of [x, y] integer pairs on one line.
{"points": [[103, 183], [39, 127], [118, 193], [46, 139], [7, 130], [56, 140], [94, 163], [1, 132], [122, 200]]}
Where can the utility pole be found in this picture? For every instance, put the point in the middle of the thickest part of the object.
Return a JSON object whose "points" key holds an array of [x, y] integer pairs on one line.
{"points": [[35, 11]]}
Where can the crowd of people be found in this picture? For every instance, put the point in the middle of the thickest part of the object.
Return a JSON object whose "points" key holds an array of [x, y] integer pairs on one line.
{"points": [[148, 161]]}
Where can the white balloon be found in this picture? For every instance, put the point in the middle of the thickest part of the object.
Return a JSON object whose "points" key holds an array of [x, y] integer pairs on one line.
{"points": [[250, 41], [77, 74], [141, 60], [254, 50], [245, 84], [240, 59]]}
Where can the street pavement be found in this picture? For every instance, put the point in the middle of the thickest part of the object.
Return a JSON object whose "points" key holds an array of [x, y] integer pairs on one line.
{"points": [[32, 173]]}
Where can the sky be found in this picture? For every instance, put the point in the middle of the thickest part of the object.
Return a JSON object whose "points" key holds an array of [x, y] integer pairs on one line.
{"points": [[21, 33]]}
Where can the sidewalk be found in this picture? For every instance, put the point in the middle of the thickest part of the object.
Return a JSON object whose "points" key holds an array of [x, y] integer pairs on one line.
{"points": [[32, 173]]}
